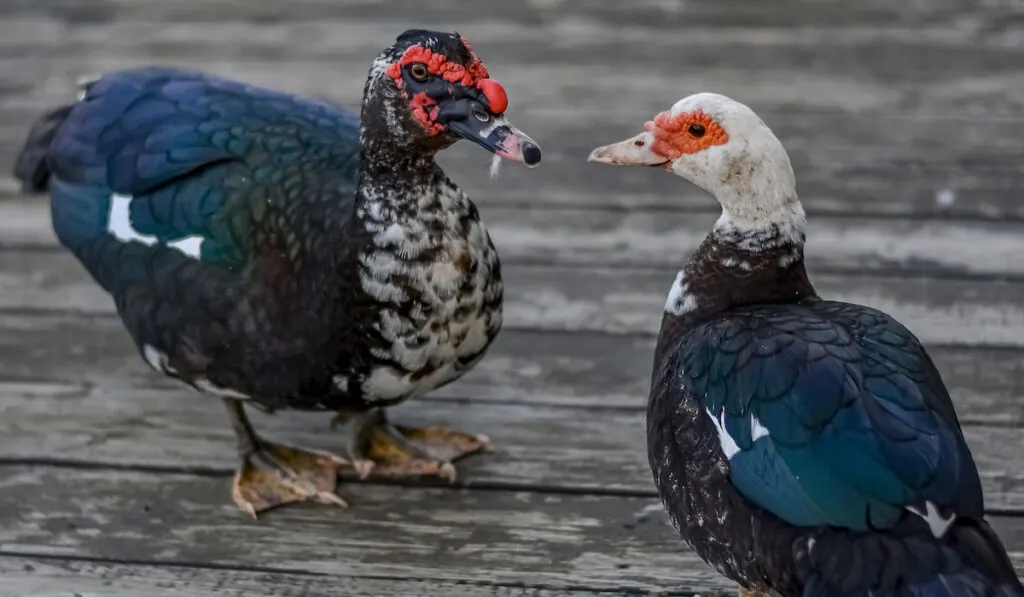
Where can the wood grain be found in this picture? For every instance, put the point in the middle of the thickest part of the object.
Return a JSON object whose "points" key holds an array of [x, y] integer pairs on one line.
{"points": [[556, 39], [843, 166], [649, 238], [557, 541], [591, 298], [524, 367], [667, 14], [815, 85], [895, 94], [592, 448], [61, 577]]}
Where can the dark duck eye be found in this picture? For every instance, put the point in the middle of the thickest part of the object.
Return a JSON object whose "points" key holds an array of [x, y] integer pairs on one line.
{"points": [[481, 115], [419, 71], [696, 130]]}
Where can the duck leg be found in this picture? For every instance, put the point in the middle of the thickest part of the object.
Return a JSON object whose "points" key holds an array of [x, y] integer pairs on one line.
{"points": [[272, 474], [398, 451]]}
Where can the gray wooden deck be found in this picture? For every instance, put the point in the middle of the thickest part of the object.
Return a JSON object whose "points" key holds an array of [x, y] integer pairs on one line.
{"points": [[903, 120]]}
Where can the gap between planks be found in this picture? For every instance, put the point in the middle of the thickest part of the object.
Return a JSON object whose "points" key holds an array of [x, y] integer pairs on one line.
{"points": [[40, 576], [963, 250], [619, 300], [591, 370], [655, 14], [502, 537], [855, 79], [554, 449], [422, 533]]}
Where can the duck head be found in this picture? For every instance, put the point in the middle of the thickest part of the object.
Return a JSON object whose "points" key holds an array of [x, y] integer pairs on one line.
{"points": [[721, 146], [429, 89]]}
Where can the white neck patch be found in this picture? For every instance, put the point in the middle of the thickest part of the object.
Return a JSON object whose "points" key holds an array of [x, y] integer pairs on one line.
{"points": [[680, 300]]}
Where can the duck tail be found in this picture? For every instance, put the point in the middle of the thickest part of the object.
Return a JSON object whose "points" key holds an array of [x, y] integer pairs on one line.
{"points": [[31, 167], [970, 561]]}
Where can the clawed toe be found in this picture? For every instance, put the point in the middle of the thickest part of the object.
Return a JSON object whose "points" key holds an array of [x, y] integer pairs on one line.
{"points": [[276, 474], [399, 451]]}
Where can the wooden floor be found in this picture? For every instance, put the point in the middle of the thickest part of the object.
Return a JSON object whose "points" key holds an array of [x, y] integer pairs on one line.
{"points": [[904, 123]]}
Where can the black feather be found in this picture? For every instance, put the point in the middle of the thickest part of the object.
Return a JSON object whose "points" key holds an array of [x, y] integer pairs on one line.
{"points": [[32, 167]]}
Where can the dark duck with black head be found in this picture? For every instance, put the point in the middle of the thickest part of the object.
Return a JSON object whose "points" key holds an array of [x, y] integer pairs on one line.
{"points": [[270, 249], [802, 446]]}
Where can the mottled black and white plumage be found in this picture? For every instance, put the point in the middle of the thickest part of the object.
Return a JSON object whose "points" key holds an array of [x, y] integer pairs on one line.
{"points": [[802, 447], [271, 248]]}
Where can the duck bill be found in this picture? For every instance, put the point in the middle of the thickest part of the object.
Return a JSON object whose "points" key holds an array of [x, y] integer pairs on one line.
{"points": [[635, 151], [498, 136]]}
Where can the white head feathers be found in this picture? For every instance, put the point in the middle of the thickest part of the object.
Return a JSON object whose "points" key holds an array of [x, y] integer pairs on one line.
{"points": [[723, 147]]}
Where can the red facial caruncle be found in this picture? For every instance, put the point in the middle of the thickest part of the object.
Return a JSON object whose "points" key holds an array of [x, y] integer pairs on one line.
{"points": [[685, 133], [475, 75]]}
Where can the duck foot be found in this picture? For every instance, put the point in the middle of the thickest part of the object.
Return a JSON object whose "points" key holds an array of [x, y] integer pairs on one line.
{"points": [[278, 474], [272, 474], [398, 451]]}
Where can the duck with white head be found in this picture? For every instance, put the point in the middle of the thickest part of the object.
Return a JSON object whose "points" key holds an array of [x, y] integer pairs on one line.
{"points": [[802, 446]]}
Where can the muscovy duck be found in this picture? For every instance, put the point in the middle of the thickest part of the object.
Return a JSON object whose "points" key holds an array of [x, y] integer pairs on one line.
{"points": [[275, 250], [801, 446]]}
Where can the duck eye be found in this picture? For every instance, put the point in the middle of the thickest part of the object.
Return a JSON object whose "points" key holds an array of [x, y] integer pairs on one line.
{"points": [[419, 71], [696, 130]]}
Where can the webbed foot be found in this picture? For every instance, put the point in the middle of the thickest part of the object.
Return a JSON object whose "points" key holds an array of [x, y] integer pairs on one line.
{"points": [[272, 474], [399, 451], [276, 474]]}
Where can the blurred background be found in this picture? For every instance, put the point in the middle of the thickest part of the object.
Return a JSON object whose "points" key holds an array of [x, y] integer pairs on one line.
{"points": [[904, 123]]}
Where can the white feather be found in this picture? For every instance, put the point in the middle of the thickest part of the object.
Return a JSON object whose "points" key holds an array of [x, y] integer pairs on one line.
{"points": [[495, 166]]}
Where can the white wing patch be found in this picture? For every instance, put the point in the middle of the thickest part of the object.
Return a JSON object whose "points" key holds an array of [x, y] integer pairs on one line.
{"points": [[937, 523], [729, 445], [119, 224], [757, 430]]}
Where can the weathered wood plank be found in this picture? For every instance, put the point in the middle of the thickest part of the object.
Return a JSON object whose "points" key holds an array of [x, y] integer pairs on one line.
{"points": [[53, 577], [651, 238], [798, 64], [632, 300], [560, 39], [843, 166], [535, 445], [556, 541], [558, 298], [878, 176], [667, 14], [793, 80], [528, 368]]}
